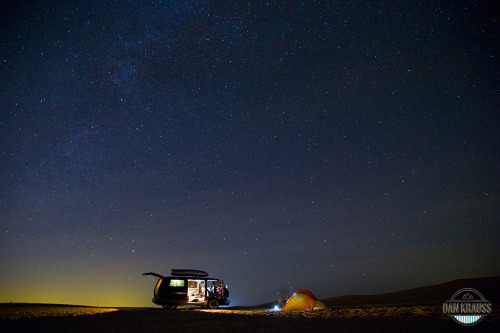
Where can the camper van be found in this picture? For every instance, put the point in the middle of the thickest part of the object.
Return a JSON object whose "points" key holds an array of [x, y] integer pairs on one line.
{"points": [[189, 287]]}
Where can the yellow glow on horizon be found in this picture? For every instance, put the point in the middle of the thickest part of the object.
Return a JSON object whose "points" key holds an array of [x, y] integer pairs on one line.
{"points": [[95, 290]]}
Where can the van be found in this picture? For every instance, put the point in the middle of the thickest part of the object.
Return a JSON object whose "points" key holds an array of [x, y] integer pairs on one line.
{"points": [[189, 287]]}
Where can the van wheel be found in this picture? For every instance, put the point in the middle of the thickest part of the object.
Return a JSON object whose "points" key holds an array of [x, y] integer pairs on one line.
{"points": [[169, 306], [213, 304]]}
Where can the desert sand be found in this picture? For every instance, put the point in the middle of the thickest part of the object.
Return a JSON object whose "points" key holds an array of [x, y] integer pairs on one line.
{"points": [[415, 310], [58, 318]]}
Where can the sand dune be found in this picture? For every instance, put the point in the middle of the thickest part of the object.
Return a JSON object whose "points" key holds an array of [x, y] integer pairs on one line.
{"points": [[435, 294]]}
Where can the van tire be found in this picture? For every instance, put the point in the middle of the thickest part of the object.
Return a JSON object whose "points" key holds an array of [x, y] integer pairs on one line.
{"points": [[213, 304]]}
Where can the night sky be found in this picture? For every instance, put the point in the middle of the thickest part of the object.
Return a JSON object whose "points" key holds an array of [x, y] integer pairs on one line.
{"points": [[338, 146]]}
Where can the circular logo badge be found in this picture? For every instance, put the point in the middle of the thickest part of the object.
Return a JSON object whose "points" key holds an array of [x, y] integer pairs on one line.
{"points": [[467, 307]]}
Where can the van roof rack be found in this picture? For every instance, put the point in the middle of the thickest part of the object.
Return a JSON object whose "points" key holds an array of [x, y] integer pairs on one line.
{"points": [[189, 272]]}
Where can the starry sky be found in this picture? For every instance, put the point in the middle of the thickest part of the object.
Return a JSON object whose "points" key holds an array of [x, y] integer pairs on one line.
{"points": [[339, 146]]}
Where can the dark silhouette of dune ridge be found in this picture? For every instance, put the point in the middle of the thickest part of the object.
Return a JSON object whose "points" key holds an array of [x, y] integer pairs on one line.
{"points": [[489, 287]]}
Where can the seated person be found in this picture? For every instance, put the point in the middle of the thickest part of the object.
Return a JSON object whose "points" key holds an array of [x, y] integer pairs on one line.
{"points": [[212, 290]]}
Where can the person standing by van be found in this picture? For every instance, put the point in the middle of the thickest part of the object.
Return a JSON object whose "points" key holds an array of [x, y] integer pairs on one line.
{"points": [[222, 289]]}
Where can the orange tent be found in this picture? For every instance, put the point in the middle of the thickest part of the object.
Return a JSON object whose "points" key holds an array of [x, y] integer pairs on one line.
{"points": [[303, 299]]}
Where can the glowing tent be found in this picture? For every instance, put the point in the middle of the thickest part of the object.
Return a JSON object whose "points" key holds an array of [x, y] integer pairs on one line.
{"points": [[303, 299]]}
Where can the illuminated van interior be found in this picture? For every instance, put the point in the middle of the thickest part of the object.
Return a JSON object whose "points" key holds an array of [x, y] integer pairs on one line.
{"points": [[196, 291]]}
